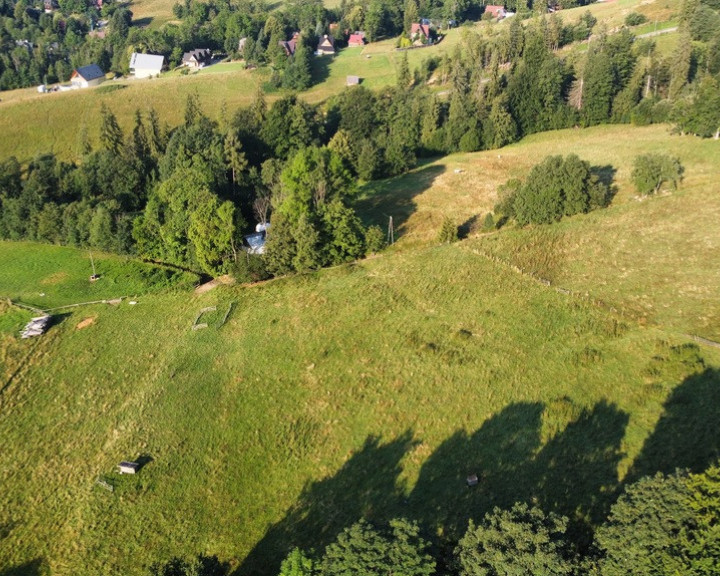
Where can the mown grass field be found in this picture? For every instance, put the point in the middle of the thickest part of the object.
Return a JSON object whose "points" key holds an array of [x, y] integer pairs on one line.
{"points": [[51, 276], [32, 123], [373, 389]]}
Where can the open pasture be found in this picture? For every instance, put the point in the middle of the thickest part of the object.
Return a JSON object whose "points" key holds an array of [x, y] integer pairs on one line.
{"points": [[374, 389]]}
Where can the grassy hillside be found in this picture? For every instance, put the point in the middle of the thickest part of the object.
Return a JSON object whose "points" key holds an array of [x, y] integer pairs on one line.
{"points": [[643, 255], [33, 123], [375, 388]]}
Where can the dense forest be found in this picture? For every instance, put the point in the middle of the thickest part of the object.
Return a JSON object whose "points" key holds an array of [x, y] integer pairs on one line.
{"points": [[187, 195]]}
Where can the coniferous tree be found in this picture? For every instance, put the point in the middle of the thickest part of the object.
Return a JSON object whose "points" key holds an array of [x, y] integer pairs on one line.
{"points": [[448, 231], [111, 136], [403, 75], [522, 540], [642, 534], [296, 564], [308, 252], [411, 15], [680, 67], [599, 89]]}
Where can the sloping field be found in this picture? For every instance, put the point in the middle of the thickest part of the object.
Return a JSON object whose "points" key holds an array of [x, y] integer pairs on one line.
{"points": [[371, 389], [656, 258]]}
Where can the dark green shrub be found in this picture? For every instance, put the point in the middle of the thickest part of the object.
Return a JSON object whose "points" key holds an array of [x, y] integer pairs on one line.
{"points": [[374, 239], [635, 19]]}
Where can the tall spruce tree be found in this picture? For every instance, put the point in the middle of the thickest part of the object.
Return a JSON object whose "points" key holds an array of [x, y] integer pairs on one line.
{"points": [[111, 136]]}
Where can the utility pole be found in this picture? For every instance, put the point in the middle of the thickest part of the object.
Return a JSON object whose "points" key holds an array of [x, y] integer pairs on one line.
{"points": [[649, 80], [92, 263]]}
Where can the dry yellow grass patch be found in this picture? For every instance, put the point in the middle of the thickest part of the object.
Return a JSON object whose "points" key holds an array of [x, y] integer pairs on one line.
{"points": [[56, 278]]}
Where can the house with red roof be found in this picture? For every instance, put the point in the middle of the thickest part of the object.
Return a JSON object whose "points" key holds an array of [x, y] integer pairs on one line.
{"points": [[421, 34], [497, 12], [357, 38]]}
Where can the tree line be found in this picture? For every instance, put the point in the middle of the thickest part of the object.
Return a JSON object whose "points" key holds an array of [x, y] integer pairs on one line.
{"points": [[662, 525], [187, 195]]}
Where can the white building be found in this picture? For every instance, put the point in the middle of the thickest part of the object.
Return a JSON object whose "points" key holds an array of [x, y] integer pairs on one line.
{"points": [[146, 65], [87, 76]]}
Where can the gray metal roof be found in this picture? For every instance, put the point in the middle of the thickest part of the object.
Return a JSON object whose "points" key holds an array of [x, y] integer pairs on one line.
{"points": [[147, 61], [90, 72]]}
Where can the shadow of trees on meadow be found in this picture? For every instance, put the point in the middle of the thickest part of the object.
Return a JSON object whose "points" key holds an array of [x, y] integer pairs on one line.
{"points": [[574, 473], [688, 432], [37, 567], [396, 197], [365, 487]]}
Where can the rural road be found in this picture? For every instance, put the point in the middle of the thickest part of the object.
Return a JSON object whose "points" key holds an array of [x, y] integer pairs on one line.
{"points": [[657, 33]]}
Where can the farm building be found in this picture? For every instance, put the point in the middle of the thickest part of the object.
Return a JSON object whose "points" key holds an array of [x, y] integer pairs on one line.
{"points": [[197, 58], [352, 81], [357, 38], [87, 76], [326, 46], [146, 65], [497, 12]]}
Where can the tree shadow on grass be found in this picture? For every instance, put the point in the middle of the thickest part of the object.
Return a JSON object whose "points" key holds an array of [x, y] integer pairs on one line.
{"points": [[606, 175], [37, 567], [395, 197], [365, 487], [142, 22], [321, 69], [498, 452], [573, 474], [688, 433], [470, 226]]}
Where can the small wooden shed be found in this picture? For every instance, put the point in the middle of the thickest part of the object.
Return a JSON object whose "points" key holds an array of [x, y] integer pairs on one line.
{"points": [[352, 81]]}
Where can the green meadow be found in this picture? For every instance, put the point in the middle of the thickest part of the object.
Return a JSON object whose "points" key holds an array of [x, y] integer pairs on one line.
{"points": [[554, 362], [46, 277]]}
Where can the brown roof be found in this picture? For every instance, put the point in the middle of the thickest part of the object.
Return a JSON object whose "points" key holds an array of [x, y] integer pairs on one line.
{"points": [[291, 44], [423, 29]]}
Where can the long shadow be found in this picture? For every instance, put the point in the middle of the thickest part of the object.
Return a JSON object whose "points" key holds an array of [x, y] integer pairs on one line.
{"points": [[688, 433], [606, 175], [320, 69], [395, 197], [142, 22], [575, 473], [498, 453], [37, 567], [365, 487]]}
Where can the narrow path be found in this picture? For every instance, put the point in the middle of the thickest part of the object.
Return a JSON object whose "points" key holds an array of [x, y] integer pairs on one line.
{"points": [[657, 32]]}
